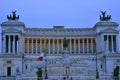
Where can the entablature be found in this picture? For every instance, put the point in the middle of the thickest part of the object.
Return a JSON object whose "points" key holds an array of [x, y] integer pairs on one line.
{"points": [[11, 30], [60, 32]]}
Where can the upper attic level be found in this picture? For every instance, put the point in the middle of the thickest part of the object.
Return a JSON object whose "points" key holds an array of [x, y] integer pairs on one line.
{"points": [[105, 23], [13, 23]]}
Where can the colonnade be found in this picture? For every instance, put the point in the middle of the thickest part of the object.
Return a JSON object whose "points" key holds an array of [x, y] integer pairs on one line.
{"points": [[110, 43], [55, 46], [10, 43]]}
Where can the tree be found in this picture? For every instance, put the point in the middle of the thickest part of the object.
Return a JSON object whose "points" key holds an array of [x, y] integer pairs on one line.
{"points": [[39, 74]]}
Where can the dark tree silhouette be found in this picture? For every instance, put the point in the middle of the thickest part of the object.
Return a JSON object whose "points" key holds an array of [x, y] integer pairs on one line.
{"points": [[39, 74], [116, 73]]}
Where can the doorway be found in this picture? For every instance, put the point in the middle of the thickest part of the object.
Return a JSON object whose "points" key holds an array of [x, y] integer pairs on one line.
{"points": [[8, 71]]}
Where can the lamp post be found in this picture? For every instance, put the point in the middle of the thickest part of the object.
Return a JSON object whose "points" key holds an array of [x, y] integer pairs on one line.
{"points": [[46, 76], [104, 57], [97, 73], [23, 56]]}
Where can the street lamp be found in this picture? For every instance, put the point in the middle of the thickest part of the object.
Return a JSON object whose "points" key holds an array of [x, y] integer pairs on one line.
{"points": [[97, 73], [104, 57], [46, 76], [23, 56]]}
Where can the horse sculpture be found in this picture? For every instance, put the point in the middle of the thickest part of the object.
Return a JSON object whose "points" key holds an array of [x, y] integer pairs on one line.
{"points": [[103, 17], [13, 17]]}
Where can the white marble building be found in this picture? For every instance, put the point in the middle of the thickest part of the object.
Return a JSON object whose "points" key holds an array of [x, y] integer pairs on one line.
{"points": [[89, 49]]}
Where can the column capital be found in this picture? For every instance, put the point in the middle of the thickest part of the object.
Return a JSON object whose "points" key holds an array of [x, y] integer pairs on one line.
{"points": [[48, 38], [70, 38], [62, 38]]}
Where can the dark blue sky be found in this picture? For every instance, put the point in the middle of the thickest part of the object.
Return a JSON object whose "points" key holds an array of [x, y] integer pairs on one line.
{"points": [[68, 13]]}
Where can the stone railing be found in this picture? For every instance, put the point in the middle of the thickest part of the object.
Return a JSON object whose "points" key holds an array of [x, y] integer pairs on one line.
{"points": [[7, 78]]}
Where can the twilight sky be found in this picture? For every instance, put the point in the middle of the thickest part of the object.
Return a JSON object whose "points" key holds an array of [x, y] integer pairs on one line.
{"points": [[68, 13]]}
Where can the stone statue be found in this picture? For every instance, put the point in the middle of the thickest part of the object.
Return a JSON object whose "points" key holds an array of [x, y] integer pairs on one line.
{"points": [[13, 17], [65, 43], [103, 17]]}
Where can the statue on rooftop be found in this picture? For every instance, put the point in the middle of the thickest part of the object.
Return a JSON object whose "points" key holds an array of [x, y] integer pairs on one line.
{"points": [[13, 16], [103, 17]]}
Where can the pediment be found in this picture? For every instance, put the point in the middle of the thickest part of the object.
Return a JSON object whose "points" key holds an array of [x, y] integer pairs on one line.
{"points": [[11, 30], [110, 30]]}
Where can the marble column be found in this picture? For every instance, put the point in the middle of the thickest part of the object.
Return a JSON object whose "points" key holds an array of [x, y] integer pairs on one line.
{"points": [[79, 46], [57, 46], [36, 46], [74, 46], [107, 44], [40, 45], [53, 46], [49, 46], [87, 45], [83, 45], [19, 43], [9, 44], [44, 44], [112, 44], [32, 45], [28, 46], [92, 45], [61, 45], [116, 43], [4, 44], [70, 46], [16, 45], [13, 43]]}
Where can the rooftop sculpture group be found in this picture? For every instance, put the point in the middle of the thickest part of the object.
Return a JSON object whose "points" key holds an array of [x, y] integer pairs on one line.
{"points": [[13, 16], [103, 17]]}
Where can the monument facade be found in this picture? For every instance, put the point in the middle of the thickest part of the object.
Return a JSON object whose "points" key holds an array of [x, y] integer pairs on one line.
{"points": [[71, 53]]}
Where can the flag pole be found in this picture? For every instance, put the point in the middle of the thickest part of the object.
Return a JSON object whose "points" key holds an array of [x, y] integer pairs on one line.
{"points": [[46, 76]]}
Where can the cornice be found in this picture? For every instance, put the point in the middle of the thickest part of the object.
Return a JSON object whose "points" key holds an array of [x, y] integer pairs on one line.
{"points": [[59, 32], [10, 56]]}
